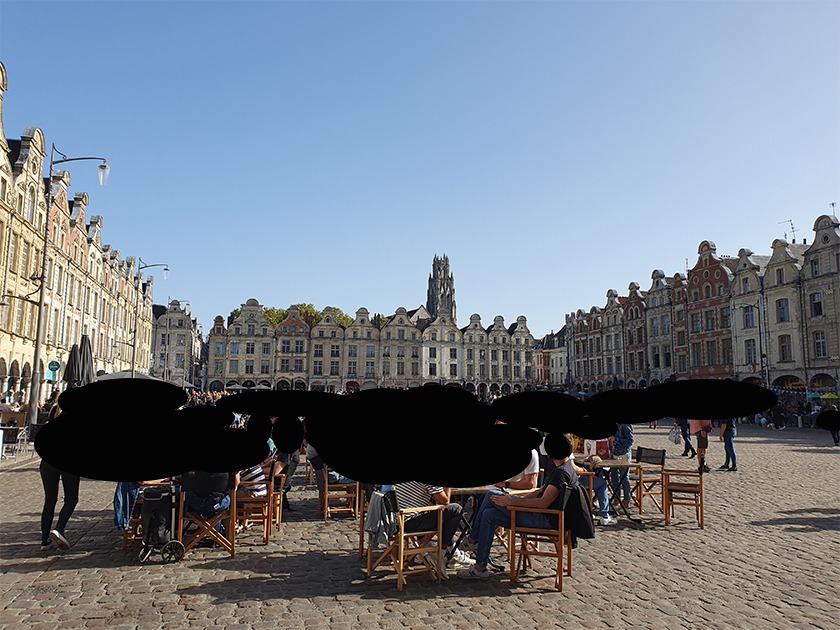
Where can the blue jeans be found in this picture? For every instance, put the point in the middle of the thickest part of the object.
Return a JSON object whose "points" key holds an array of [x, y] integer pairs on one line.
{"points": [[494, 516], [125, 496], [729, 447], [207, 507], [599, 487], [621, 476]]}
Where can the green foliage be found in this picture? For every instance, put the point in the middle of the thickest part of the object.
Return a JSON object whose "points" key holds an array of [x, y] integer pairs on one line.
{"points": [[235, 313], [309, 314], [341, 317], [275, 315]]}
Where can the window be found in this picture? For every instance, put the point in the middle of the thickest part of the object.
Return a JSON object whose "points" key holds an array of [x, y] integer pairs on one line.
{"points": [[469, 354], [249, 366], [453, 353], [284, 365], [749, 351], [666, 353], [369, 372], [181, 340], [470, 371], [815, 267], [433, 353], [352, 351], [749, 317], [333, 368], [266, 348], [386, 351], [415, 369], [452, 336], [780, 276], [299, 346], [819, 345], [707, 291], [785, 349], [432, 369], [434, 336], [726, 351], [401, 335], [654, 327], [332, 333], [264, 366], [682, 362], [609, 365], [234, 366], [494, 355], [24, 259], [163, 339], [725, 317], [782, 310], [710, 320], [711, 353], [655, 353], [220, 347], [319, 350], [400, 352], [696, 355], [453, 369], [351, 369], [370, 352], [264, 331], [494, 371], [298, 365], [695, 322], [334, 350], [816, 304], [745, 285], [318, 368]]}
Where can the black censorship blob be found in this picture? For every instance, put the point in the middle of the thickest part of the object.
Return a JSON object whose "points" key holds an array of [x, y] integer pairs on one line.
{"points": [[708, 399], [130, 429], [287, 433], [552, 412], [829, 420]]}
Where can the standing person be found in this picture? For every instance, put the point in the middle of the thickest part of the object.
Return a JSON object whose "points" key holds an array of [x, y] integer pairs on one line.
{"points": [[50, 477], [835, 434], [727, 436], [622, 449], [689, 450], [701, 430]]}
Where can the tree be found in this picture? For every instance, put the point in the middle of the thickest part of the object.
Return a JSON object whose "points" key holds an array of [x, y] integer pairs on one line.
{"points": [[275, 315], [341, 317]]}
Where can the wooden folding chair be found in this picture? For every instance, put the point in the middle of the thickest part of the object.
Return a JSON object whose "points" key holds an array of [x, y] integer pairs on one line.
{"points": [[647, 480], [682, 487], [530, 538], [250, 509], [206, 526], [347, 494], [412, 552]]}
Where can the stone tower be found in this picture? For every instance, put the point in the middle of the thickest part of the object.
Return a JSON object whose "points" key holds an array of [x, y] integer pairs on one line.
{"points": [[440, 299]]}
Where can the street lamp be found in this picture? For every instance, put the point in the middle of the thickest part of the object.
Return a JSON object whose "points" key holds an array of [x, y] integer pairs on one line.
{"points": [[35, 387], [140, 268]]}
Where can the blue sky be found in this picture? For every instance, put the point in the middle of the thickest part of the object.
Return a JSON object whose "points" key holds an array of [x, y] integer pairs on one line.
{"points": [[324, 152]]}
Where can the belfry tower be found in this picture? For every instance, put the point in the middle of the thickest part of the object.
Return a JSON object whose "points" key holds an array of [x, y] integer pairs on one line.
{"points": [[440, 299]]}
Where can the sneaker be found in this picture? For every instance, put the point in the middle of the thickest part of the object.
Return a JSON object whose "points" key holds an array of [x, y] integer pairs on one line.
{"points": [[733, 469], [473, 574], [46, 545], [608, 520], [145, 552], [724, 467], [59, 540], [462, 557]]}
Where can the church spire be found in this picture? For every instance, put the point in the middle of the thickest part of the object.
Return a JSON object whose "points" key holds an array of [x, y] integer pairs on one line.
{"points": [[440, 298]]}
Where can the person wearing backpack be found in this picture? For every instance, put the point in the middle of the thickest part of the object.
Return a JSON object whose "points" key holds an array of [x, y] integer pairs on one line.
{"points": [[727, 436]]}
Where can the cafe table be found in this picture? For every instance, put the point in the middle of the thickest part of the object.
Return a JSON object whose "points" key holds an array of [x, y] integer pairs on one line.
{"points": [[624, 465]]}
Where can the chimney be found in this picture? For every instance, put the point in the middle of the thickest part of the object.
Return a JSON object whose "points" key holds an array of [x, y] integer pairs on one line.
{"points": [[804, 241]]}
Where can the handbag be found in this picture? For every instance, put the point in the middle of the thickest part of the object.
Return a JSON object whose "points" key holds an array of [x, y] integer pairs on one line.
{"points": [[675, 435]]}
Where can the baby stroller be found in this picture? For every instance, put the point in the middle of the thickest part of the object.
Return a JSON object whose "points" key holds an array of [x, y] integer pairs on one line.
{"points": [[157, 517]]}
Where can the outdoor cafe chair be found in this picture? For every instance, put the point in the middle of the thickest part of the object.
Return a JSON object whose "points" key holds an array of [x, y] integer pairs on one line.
{"points": [[530, 539], [647, 479], [682, 487], [261, 510], [205, 527], [411, 553], [346, 494]]}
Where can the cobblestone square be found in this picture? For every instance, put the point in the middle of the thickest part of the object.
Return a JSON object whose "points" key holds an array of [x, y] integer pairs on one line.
{"points": [[769, 557]]}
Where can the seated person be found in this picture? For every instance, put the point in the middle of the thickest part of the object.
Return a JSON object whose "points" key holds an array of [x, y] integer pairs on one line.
{"points": [[549, 496], [526, 480], [413, 494], [599, 486], [207, 492]]}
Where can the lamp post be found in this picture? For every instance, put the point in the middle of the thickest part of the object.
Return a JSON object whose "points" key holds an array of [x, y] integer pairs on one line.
{"points": [[140, 268], [35, 386]]}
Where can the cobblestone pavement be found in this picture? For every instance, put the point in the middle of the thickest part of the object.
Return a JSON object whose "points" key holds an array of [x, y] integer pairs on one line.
{"points": [[769, 557]]}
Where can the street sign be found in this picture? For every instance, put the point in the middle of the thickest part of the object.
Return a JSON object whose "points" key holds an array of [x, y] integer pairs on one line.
{"points": [[54, 365]]}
